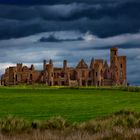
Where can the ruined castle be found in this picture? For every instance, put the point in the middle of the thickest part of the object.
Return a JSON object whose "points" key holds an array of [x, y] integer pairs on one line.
{"points": [[99, 73]]}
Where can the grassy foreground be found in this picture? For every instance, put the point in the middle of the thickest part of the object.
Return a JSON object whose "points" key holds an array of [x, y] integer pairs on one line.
{"points": [[122, 125], [77, 105]]}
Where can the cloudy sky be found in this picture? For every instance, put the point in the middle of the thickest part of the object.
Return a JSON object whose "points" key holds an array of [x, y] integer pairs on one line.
{"points": [[34, 30]]}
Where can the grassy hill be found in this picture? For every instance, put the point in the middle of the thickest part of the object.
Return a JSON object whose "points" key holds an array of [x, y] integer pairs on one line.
{"points": [[79, 104]]}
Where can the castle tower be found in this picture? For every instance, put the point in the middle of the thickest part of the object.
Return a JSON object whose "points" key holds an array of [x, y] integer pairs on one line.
{"points": [[114, 65], [113, 55], [122, 70], [118, 68]]}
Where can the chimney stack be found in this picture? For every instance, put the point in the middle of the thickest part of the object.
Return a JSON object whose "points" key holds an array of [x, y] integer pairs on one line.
{"points": [[44, 65], [65, 64]]}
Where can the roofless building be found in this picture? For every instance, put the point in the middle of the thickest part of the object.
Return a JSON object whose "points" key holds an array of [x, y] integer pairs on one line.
{"points": [[99, 73]]}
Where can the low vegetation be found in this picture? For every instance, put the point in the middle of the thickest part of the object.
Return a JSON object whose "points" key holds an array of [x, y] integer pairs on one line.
{"points": [[122, 125]]}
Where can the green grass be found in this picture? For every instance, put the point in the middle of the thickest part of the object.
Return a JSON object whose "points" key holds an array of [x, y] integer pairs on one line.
{"points": [[73, 104]]}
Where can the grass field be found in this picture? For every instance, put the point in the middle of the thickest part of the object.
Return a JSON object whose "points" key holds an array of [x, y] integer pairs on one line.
{"points": [[72, 104]]}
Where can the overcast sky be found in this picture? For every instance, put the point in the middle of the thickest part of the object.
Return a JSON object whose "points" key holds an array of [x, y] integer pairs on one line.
{"points": [[79, 28]]}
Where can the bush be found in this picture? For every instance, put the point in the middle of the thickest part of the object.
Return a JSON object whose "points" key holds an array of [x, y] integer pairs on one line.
{"points": [[91, 126], [55, 123], [12, 124]]}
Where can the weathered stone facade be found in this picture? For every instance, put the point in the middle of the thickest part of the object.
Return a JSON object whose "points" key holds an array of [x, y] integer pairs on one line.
{"points": [[99, 73]]}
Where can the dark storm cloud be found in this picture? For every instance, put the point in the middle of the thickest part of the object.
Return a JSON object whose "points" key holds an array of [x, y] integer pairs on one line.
{"points": [[53, 38], [99, 18], [40, 2], [71, 11], [103, 27]]}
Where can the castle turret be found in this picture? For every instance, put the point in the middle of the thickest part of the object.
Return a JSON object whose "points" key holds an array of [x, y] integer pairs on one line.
{"points": [[118, 67], [114, 65], [113, 55], [122, 70]]}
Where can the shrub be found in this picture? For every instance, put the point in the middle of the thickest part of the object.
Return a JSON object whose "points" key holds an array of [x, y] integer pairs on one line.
{"points": [[91, 126], [55, 123], [119, 122], [12, 124]]}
